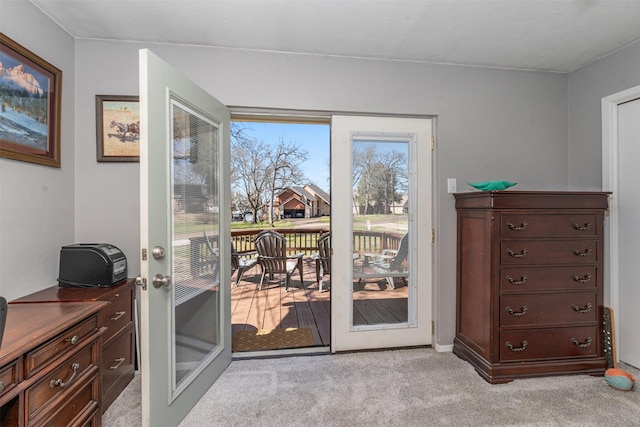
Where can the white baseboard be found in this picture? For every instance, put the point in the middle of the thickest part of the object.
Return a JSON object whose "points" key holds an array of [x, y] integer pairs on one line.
{"points": [[443, 348]]}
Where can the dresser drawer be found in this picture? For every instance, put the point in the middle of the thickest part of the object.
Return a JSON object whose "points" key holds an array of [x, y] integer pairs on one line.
{"points": [[80, 409], [65, 377], [117, 360], [545, 310], [525, 278], [555, 225], [64, 342], [549, 343], [118, 314], [9, 376], [548, 252]]}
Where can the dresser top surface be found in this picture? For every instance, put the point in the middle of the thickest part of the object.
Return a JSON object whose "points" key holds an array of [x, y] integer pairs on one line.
{"points": [[532, 200], [30, 325], [56, 293]]}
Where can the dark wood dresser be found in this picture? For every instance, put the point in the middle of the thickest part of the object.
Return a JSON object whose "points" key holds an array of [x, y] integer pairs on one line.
{"points": [[117, 341], [50, 365], [529, 283]]}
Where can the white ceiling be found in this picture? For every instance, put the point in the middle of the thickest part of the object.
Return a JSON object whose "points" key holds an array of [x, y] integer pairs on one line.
{"points": [[548, 35]]}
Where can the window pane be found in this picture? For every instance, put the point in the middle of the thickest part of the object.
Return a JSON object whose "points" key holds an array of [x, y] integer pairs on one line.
{"points": [[380, 231], [195, 228]]}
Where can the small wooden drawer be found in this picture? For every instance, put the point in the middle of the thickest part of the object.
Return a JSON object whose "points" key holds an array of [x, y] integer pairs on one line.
{"points": [[70, 339], [552, 343], [548, 252], [540, 225], [525, 278], [79, 409], [117, 359], [118, 314], [546, 310], [63, 378], [9, 376]]}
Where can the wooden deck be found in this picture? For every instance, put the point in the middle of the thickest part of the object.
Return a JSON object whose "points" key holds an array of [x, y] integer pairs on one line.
{"points": [[306, 307]]}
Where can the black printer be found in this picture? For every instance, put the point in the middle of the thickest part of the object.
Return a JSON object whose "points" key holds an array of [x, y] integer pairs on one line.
{"points": [[91, 265]]}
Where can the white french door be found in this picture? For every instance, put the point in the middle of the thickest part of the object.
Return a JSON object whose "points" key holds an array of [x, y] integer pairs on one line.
{"points": [[184, 191], [381, 173]]}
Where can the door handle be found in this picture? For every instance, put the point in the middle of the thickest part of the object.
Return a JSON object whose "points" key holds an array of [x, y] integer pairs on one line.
{"points": [[158, 252], [161, 281]]}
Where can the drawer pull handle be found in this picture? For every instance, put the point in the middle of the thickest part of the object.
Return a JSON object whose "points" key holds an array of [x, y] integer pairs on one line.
{"points": [[585, 279], [516, 349], [118, 315], [119, 361], [584, 344], [521, 227], [1, 386], [585, 227], [513, 281], [73, 340], [63, 384], [513, 254], [522, 311], [586, 309], [586, 252]]}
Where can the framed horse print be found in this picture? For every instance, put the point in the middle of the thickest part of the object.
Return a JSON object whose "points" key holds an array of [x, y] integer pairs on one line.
{"points": [[117, 128], [30, 103]]}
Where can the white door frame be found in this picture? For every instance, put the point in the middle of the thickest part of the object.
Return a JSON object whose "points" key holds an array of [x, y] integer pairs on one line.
{"points": [[610, 172], [240, 113]]}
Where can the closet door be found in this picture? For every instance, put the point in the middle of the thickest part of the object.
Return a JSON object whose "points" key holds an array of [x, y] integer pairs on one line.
{"points": [[627, 315]]}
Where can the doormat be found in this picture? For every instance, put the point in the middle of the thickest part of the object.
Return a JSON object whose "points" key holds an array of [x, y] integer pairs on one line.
{"points": [[272, 339]]}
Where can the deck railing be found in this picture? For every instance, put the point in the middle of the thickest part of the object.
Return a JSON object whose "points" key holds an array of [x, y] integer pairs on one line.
{"points": [[298, 240]]}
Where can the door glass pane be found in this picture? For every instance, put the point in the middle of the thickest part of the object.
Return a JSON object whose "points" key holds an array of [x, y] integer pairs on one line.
{"points": [[195, 230], [380, 220]]}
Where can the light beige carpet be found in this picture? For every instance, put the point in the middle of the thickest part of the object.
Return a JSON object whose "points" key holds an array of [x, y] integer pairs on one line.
{"points": [[415, 387], [272, 339]]}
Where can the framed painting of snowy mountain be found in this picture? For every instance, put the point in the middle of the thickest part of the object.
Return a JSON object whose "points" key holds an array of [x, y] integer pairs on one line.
{"points": [[30, 97]]}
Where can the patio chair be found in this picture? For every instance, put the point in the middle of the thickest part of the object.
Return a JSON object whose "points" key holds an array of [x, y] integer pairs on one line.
{"points": [[323, 258], [215, 255], [241, 263], [390, 261], [271, 247]]}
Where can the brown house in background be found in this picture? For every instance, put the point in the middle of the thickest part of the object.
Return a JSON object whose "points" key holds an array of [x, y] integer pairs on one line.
{"points": [[302, 202]]}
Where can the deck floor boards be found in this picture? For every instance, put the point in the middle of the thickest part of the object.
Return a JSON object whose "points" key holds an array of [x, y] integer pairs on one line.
{"points": [[304, 306]]}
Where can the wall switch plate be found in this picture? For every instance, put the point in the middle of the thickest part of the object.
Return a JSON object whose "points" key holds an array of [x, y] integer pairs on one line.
{"points": [[451, 185]]}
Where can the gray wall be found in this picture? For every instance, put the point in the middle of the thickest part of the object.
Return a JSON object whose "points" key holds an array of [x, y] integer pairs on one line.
{"points": [[491, 124], [586, 88], [37, 202]]}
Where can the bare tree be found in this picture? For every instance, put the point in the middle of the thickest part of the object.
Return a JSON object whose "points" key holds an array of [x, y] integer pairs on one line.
{"points": [[285, 170], [381, 181], [392, 178], [363, 159], [259, 170], [250, 172]]}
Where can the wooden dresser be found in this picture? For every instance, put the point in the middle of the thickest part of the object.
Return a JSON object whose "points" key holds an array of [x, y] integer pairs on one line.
{"points": [[529, 283], [50, 365], [118, 340]]}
